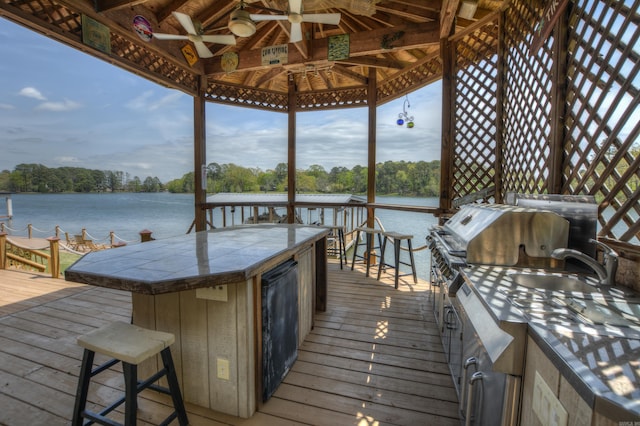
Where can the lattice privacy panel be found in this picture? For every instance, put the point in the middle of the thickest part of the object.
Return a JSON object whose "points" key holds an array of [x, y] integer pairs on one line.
{"points": [[146, 59], [337, 98], [425, 72], [603, 113], [526, 125], [59, 16], [474, 143], [242, 96]]}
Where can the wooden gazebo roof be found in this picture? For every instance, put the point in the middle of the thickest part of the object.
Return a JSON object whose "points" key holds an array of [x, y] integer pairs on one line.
{"points": [[527, 108], [399, 39]]}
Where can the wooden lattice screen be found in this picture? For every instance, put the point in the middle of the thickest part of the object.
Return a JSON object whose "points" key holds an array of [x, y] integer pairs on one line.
{"points": [[602, 121], [474, 138], [526, 102], [562, 119]]}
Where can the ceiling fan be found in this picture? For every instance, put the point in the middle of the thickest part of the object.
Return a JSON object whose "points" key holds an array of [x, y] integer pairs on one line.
{"points": [[195, 35], [296, 18]]}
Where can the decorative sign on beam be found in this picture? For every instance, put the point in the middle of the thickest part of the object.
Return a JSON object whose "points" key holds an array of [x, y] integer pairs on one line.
{"points": [[369, 43], [275, 55], [338, 47], [96, 35]]}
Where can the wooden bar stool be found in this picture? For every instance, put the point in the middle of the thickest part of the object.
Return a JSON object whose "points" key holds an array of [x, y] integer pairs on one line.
{"points": [[369, 246], [397, 241], [339, 247], [130, 345]]}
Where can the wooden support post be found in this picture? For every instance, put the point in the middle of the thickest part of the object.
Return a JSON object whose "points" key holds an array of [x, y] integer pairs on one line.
{"points": [[500, 102], [3, 250], [291, 150], [558, 103], [145, 235], [200, 156], [54, 260], [224, 216], [448, 123], [372, 101]]}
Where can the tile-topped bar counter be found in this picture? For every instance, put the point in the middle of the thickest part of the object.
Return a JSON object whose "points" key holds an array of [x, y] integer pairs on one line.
{"points": [[205, 289]]}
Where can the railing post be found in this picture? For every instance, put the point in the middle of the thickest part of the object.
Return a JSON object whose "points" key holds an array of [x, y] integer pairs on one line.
{"points": [[29, 230], [84, 233], [1, 226], [3, 250], [57, 231], [145, 235], [54, 262]]}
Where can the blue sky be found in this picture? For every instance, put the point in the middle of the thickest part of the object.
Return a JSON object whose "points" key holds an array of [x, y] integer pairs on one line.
{"points": [[60, 107]]}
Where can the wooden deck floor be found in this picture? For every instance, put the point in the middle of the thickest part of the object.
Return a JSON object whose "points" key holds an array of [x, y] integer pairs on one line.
{"points": [[374, 358]]}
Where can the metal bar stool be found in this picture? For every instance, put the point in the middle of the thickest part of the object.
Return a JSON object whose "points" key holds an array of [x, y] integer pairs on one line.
{"points": [[369, 244], [339, 246], [130, 345], [397, 241]]}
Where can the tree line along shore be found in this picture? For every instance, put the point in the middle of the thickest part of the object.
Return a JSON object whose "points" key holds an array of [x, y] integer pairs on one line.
{"points": [[403, 178]]}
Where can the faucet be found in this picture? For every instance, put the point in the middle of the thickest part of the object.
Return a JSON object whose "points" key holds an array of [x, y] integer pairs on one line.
{"points": [[606, 271]]}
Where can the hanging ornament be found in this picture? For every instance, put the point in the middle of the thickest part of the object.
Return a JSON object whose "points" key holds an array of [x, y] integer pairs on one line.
{"points": [[403, 116]]}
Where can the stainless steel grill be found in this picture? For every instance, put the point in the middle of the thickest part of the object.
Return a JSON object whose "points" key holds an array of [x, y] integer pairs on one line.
{"points": [[500, 235]]}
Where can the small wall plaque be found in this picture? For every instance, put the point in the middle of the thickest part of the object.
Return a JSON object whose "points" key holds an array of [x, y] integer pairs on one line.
{"points": [[96, 35], [275, 55], [189, 54], [229, 62], [338, 47], [142, 27]]}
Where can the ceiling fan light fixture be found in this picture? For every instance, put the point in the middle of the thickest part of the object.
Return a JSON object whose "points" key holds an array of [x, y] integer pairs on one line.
{"points": [[240, 23]]}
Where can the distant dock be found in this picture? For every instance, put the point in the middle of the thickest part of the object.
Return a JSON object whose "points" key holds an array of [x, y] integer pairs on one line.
{"points": [[9, 205]]}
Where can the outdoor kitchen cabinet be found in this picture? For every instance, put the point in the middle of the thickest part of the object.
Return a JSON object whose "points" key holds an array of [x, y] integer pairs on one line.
{"points": [[540, 376]]}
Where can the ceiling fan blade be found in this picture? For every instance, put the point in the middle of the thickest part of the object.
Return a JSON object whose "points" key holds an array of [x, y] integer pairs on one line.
{"points": [[161, 36], [203, 50], [220, 39], [295, 6], [263, 17], [322, 18], [185, 21], [296, 32]]}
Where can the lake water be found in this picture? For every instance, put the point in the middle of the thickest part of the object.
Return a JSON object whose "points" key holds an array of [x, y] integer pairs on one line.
{"points": [[167, 215]]}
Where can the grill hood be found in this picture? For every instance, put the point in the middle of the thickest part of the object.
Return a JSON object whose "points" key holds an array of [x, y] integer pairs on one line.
{"points": [[493, 234]]}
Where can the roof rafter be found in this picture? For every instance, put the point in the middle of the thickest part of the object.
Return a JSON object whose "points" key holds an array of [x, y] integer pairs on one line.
{"points": [[368, 43]]}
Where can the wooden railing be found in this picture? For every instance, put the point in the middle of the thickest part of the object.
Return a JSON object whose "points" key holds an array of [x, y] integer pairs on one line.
{"points": [[12, 254]]}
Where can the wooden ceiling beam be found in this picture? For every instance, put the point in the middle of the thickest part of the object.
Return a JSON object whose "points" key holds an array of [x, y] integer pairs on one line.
{"points": [[448, 17], [368, 43], [105, 5], [369, 61], [408, 12], [163, 13], [269, 76], [344, 71]]}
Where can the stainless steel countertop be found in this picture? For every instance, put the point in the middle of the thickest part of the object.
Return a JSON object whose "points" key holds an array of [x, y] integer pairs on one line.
{"points": [[201, 259], [600, 361]]}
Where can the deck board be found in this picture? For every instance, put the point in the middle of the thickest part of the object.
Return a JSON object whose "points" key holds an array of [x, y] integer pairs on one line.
{"points": [[374, 357]]}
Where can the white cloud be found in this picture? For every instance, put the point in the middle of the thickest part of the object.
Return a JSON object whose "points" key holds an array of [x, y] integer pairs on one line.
{"points": [[6, 106], [140, 102], [66, 105], [32, 92]]}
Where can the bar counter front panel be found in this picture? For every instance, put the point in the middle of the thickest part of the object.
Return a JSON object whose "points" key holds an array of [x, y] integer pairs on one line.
{"points": [[205, 289]]}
